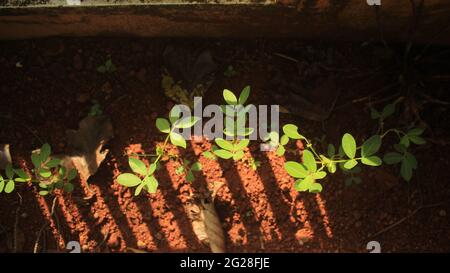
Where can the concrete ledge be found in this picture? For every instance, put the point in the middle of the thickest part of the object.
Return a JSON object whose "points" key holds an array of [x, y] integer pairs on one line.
{"points": [[321, 19]]}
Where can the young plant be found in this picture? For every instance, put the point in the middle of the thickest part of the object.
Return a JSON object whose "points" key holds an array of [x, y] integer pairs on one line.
{"points": [[143, 176], [230, 72], [48, 172], [235, 130], [315, 166], [107, 67]]}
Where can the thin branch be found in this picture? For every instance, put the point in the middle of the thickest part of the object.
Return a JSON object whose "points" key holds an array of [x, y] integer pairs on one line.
{"points": [[407, 217]]}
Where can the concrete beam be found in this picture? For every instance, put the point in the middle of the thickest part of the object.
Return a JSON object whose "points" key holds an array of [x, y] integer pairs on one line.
{"points": [[310, 19]]}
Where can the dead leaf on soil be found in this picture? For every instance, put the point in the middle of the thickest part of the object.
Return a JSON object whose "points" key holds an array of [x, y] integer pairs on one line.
{"points": [[206, 223], [5, 156], [190, 67], [87, 144]]}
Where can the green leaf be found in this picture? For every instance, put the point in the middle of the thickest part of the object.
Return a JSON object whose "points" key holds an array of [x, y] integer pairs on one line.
{"points": [[179, 170], [138, 166], [62, 172], [138, 189], [309, 161], [59, 185], [372, 161], [374, 114], [43, 193], [406, 170], [319, 175], [72, 174], [280, 150], [190, 176], [405, 141], [46, 173], [45, 152], [241, 144], [9, 171], [128, 180], [411, 159], [229, 97], [238, 155], [53, 163], [163, 125], [68, 187], [244, 95], [415, 132], [152, 169], [284, 140], [291, 131], [303, 184], [388, 110], [174, 114], [177, 140], [101, 69], [224, 144], [331, 150], [331, 167], [349, 145], [371, 146], [296, 169], [417, 140], [10, 185], [187, 122], [36, 160], [209, 155], [228, 132], [22, 174], [392, 158], [223, 154], [196, 167], [151, 184], [247, 131], [2, 185], [400, 148], [315, 188], [350, 164]]}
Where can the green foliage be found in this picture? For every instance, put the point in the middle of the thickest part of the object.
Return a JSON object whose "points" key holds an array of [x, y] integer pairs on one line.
{"points": [[314, 166], [348, 157], [95, 110], [48, 173], [107, 67], [234, 148], [143, 177], [230, 72]]}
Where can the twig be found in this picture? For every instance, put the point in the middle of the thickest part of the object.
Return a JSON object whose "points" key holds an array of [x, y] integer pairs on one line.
{"points": [[281, 55], [36, 244], [430, 99], [407, 217], [368, 97]]}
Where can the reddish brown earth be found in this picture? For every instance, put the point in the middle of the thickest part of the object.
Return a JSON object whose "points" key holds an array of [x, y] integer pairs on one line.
{"points": [[260, 210]]}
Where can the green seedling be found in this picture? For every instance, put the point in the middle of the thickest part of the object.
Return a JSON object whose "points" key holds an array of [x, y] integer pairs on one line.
{"points": [[143, 176], [48, 173], [235, 130], [107, 67]]}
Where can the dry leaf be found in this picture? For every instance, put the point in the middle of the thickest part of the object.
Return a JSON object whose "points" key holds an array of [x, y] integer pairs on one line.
{"points": [[206, 223], [190, 67], [5, 156], [87, 144]]}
